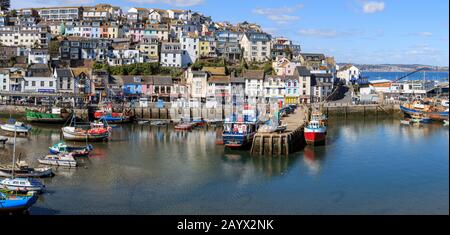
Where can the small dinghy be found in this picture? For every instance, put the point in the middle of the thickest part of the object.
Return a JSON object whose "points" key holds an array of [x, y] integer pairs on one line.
{"points": [[184, 126], [445, 122], [66, 160], [158, 123], [11, 202], [62, 147], [22, 185], [143, 122], [406, 122]]}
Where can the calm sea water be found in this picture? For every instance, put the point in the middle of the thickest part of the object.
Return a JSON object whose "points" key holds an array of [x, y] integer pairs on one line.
{"points": [[367, 167], [435, 76]]}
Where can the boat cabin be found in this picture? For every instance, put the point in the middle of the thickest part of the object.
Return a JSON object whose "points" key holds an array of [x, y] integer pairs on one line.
{"points": [[239, 128]]}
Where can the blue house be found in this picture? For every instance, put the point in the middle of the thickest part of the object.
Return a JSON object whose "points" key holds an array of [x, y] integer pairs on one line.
{"points": [[132, 85]]}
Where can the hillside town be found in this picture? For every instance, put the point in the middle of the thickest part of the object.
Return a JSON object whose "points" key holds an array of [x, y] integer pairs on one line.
{"points": [[101, 52]]}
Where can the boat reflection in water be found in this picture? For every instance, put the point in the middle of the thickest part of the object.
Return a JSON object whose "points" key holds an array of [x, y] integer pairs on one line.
{"points": [[313, 159]]}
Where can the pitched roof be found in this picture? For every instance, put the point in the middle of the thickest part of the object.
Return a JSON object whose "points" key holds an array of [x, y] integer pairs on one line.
{"points": [[237, 80], [162, 80], [63, 73], [219, 79], [215, 70], [253, 74], [303, 71], [77, 71]]}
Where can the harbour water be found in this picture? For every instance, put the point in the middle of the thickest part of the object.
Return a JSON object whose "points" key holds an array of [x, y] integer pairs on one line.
{"points": [[367, 167], [435, 76]]}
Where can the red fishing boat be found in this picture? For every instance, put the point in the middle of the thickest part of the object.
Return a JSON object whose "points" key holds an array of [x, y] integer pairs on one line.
{"points": [[316, 130]]}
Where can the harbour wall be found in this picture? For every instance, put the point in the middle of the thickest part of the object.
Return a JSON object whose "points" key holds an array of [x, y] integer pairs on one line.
{"points": [[177, 114]]}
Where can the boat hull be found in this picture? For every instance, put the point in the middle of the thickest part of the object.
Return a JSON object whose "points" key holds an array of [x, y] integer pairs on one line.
{"points": [[17, 203], [433, 115], [11, 128], [81, 137], [36, 173], [237, 141], [66, 163], [315, 136]]}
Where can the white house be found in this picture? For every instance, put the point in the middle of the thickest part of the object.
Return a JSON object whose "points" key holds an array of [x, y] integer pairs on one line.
{"points": [[190, 47], [4, 80], [256, 46], [321, 86], [197, 82], [274, 88], [171, 55], [38, 56], [123, 57], [304, 78], [254, 84], [348, 73], [284, 67]]}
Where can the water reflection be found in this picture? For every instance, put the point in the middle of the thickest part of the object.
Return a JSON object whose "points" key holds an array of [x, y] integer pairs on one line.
{"points": [[313, 157]]}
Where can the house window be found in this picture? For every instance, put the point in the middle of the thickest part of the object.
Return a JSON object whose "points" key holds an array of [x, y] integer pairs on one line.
{"points": [[33, 83], [42, 83], [50, 83]]}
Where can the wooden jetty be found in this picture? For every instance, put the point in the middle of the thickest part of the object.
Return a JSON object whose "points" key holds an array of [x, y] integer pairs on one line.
{"points": [[289, 141]]}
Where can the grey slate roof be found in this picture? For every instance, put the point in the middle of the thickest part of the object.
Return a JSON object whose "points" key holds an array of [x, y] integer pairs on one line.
{"points": [[63, 73], [303, 71]]}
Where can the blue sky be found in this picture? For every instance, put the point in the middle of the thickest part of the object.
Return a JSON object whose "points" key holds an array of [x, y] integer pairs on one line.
{"points": [[357, 31]]}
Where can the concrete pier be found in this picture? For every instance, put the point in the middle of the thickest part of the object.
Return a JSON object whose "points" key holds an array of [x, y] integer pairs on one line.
{"points": [[290, 141]]}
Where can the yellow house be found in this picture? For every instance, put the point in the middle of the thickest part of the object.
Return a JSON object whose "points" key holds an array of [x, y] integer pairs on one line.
{"points": [[204, 48]]}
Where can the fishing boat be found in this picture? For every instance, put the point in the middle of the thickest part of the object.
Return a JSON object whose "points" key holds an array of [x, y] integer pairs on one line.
{"points": [[115, 119], [106, 114], [20, 184], [239, 134], [55, 115], [90, 134], [158, 123], [22, 170], [13, 126], [62, 147], [12, 202], [59, 160], [184, 126], [316, 130], [426, 107], [199, 122]]}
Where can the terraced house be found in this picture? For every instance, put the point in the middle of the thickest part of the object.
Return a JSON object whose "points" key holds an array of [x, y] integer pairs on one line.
{"points": [[256, 46]]}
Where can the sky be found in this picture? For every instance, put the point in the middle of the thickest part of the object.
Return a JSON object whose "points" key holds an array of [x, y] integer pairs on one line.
{"points": [[353, 31]]}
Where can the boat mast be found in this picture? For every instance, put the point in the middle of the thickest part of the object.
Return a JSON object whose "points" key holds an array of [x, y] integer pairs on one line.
{"points": [[14, 151]]}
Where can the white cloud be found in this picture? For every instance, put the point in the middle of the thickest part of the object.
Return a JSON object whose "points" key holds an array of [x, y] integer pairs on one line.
{"points": [[425, 34], [373, 7], [280, 15], [177, 3], [327, 33]]}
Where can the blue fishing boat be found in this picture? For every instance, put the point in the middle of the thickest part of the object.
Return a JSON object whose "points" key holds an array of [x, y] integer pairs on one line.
{"points": [[109, 118], [238, 134], [434, 112], [15, 203]]}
